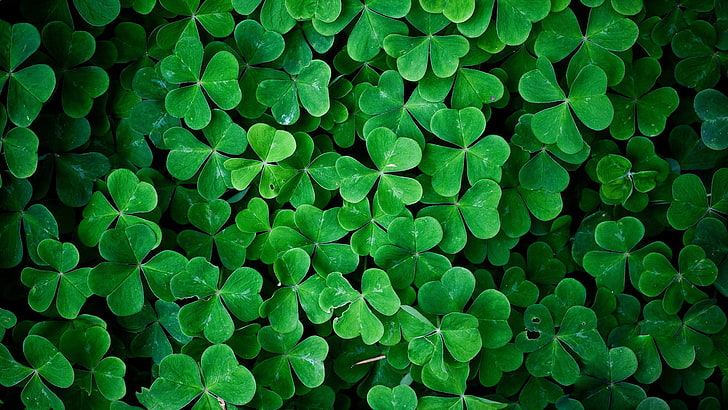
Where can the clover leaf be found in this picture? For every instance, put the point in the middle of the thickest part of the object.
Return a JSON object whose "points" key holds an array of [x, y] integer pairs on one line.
{"points": [[219, 80], [46, 363], [514, 19], [291, 268], [209, 217], [449, 294], [690, 201], [153, 327], [710, 106], [34, 223], [119, 278], [271, 146], [545, 345], [482, 157], [382, 397], [218, 376], [130, 196], [386, 104], [358, 318], [622, 363], [700, 64], [376, 21], [210, 313], [586, 98], [406, 259], [413, 53], [368, 223], [660, 276], [619, 239], [20, 149], [67, 285], [30, 87], [188, 155], [390, 154], [606, 31], [98, 13], [283, 94], [213, 15], [492, 309], [304, 357]]}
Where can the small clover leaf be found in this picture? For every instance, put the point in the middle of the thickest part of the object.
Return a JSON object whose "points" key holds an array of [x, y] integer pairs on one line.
{"points": [[370, 230], [256, 44], [514, 19], [98, 13], [213, 15], [492, 309], [210, 314], [67, 285], [130, 196], [20, 148], [152, 327], [710, 106], [621, 364], [700, 64], [218, 376], [660, 276], [449, 294]]}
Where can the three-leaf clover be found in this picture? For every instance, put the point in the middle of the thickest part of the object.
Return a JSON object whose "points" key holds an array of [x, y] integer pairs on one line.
{"points": [[413, 53], [217, 377], [219, 81], [271, 146], [660, 276], [130, 195], [638, 103], [389, 154], [310, 87], [46, 363], [690, 201], [406, 259], [281, 309], [213, 15], [358, 318], [210, 314], [606, 31], [305, 357], [188, 155], [67, 285], [30, 87], [586, 98], [481, 157], [119, 278], [209, 217]]}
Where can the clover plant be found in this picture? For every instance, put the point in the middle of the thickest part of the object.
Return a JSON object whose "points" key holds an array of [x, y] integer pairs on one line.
{"points": [[385, 204]]}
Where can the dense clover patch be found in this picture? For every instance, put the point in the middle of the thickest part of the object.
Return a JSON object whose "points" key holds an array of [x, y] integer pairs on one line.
{"points": [[399, 204]]}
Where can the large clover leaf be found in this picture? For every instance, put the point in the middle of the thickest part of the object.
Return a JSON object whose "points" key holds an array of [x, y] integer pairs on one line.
{"points": [[310, 87], [710, 105], [217, 377], [690, 200], [219, 80], [30, 87], [210, 314], [46, 363], [291, 268], [304, 357], [586, 98], [390, 154], [358, 318], [481, 157], [607, 31], [188, 155], [119, 278], [130, 195], [213, 15], [67, 285]]}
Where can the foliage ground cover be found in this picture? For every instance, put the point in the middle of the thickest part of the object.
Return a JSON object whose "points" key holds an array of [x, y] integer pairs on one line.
{"points": [[480, 204]]}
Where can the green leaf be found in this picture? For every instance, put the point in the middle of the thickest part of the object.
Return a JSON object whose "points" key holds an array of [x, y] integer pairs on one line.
{"points": [[98, 13], [710, 106], [47, 361], [20, 146], [403, 397], [449, 294], [21, 41], [515, 17], [256, 44]]}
